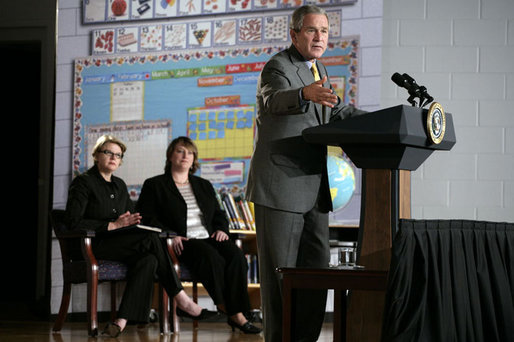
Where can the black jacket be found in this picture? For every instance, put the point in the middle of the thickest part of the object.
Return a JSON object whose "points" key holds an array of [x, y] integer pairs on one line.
{"points": [[93, 202], [161, 205]]}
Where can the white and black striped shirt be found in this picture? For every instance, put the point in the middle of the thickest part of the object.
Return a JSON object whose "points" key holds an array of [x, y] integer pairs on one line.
{"points": [[195, 227]]}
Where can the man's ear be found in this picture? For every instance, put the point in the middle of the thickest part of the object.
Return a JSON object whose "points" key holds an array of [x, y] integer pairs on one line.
{"points": [[292, 33]]}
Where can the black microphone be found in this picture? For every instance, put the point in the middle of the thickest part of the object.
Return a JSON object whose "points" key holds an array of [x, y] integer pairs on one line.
{"points": [[407, 82], [412, 83], [420, 90], [415, 91], [399, 80]]}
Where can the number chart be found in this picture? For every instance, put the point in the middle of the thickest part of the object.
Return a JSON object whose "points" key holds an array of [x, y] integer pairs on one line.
{"points": [[222, 132]]}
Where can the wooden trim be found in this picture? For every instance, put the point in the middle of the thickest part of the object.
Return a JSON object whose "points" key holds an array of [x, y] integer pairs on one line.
{"points": [[404, 191]]}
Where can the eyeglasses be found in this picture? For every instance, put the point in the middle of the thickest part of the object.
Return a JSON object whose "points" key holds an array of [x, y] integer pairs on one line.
{"points": [[112, 154]]}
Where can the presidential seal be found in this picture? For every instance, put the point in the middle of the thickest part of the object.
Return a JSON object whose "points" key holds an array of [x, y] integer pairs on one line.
{"points": [[436, 123]]}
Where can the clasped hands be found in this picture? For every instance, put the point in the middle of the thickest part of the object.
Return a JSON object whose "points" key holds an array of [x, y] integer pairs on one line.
{"points": [[178, 247], [125, 220], [315, 92]]}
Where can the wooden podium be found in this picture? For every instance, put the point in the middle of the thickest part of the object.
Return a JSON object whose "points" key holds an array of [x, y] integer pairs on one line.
{"points": [[386, 145]]}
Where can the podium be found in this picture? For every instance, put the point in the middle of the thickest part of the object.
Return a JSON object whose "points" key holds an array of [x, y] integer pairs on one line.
{"points": [[386, 144]]}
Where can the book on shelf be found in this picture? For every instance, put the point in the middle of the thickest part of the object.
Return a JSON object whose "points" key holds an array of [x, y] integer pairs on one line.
{"points": [[231, 224], [250, 214], [244, 214], [250, 206], [236, 211], [231, 211], [239, 212], [253, 268]]}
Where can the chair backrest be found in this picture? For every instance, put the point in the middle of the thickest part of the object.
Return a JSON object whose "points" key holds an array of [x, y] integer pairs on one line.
{"points": [[70, 247]]}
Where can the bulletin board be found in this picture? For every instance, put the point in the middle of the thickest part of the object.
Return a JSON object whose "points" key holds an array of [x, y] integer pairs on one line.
{"points": [[98, 11], [208, 95]]}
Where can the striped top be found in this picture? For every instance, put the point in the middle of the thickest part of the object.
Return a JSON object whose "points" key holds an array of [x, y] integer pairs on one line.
{"points": [[195, 227]]}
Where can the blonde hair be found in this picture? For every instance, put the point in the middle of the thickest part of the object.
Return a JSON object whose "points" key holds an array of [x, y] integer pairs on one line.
{"points": [[106, 139], [190, 145]]}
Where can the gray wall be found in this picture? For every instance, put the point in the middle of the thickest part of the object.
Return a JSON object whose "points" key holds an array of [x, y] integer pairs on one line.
{"points": [[463, 52]]}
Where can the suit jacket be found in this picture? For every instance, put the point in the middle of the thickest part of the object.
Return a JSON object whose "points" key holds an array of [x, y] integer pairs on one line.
{"points": [[161, 205], [93, 202], [287, 173]]}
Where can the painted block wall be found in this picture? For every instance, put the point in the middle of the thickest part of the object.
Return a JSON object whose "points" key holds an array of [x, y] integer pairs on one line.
{"points": [[74, 40], [463, 52]]}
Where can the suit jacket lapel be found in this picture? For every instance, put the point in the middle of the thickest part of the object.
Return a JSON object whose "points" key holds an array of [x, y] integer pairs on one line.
{"points": [[305, 76]]}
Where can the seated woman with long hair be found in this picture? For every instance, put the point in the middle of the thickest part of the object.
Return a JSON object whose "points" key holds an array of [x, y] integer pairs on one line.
{"points": [[179, 201]]}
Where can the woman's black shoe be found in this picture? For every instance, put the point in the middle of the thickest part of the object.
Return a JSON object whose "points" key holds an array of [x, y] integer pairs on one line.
{"points": [[205, 314], [247, 328], [112, 329]]}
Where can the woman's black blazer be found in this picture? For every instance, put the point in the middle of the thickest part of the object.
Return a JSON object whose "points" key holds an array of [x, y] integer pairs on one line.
{"points": [[161, 204]]}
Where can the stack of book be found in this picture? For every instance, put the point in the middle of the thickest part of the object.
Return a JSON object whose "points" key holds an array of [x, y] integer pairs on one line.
{"points": [[253, 268], [239, 211]]}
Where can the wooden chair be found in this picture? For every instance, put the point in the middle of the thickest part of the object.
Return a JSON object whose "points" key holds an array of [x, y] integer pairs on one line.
{"points": [[81, 266]]}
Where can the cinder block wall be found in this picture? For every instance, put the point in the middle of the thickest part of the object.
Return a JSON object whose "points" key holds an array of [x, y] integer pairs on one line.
{"points": [[463, 52]]}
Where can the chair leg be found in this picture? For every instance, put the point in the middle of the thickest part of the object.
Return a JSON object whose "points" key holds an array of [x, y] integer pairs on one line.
{"points": [[195, 299], [63, 310], [113, 301], [175, 323], [92, 300], [164, 318]]}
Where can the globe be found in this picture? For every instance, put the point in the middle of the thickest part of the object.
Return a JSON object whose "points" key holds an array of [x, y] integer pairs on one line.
{"points": [[341, 178]]}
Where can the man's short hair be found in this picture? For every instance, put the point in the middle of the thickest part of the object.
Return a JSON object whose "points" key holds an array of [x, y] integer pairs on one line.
{"points": [[298, 15]]}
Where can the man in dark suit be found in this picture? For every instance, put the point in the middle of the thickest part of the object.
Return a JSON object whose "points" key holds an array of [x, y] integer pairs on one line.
{"points": [[288, 180]]}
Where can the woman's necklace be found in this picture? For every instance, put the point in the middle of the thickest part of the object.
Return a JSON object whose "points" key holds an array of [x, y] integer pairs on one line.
{"points": [[181, 183]]}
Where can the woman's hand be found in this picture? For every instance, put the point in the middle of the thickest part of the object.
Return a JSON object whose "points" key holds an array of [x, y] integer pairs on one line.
{"points": [[219, 235], [177, 245], [125, 220]]}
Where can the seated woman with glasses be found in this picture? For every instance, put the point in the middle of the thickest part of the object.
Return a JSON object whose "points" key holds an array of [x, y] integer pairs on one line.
{"points": [[98, 200], [179, 201]]}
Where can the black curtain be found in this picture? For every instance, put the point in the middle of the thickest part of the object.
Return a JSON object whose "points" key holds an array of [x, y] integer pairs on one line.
{"points": [[451, 280]]}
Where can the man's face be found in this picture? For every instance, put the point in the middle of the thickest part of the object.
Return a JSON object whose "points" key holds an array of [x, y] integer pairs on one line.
{"points": [[311, 41]]}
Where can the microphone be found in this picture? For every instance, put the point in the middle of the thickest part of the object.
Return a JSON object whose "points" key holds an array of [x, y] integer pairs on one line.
{"points": [[407, 82], [423, 94], [399, 80]]}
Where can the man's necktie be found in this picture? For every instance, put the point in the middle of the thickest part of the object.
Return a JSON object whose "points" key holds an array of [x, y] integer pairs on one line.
{"points": [[315, 72]]}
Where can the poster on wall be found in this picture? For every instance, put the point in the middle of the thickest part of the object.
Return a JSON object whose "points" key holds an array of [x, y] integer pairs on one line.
{"points": [[97, 11], [207, 95], [200, 34]]}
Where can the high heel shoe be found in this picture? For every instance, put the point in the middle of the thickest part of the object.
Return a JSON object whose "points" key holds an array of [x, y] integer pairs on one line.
{"points": [[205, 314], [247, 328], [112, 329]]}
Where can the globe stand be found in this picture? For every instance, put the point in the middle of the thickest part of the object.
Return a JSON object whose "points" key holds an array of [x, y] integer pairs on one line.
{"points": [[386, 145]]}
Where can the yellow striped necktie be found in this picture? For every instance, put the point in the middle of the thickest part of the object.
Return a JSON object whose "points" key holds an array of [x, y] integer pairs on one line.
{"points": [[315, 72]]}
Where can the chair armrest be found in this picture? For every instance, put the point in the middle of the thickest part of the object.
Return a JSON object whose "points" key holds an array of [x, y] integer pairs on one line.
{"points": [[77, 233], [87, 251], [169, 235]]}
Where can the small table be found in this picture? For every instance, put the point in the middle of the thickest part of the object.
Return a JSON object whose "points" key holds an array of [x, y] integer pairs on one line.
{"points": [[339, 279]]}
